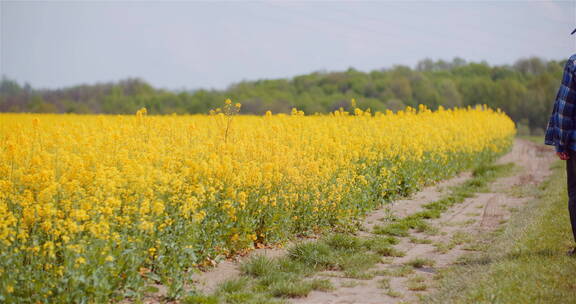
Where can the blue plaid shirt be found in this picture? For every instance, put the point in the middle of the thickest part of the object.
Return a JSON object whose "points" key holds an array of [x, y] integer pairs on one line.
{"points": [[561, 131]]}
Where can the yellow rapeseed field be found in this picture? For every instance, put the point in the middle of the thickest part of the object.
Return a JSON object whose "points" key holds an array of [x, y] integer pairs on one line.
{"points": [[96, 207]]}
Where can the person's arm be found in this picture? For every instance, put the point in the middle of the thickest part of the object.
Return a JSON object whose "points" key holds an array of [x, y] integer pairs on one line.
{"points": [[561, 123]]}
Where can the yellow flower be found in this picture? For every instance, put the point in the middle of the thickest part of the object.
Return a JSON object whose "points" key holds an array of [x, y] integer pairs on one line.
{"points": [[146, 226], [200, 216], [78, 181], [158, 208]]}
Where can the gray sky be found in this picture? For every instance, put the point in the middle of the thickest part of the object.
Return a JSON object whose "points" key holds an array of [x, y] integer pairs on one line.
{"points": [[186, 44]]}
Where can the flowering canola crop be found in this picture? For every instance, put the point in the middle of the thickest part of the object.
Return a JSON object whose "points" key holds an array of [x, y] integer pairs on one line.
{"points": [[97, 207]]}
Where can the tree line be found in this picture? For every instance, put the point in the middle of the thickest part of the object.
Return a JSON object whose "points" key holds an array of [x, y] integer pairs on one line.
{"points": [[525, 90]]}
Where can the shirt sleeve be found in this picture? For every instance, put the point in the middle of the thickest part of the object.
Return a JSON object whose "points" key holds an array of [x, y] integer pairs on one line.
{"points": [[561, 124]]}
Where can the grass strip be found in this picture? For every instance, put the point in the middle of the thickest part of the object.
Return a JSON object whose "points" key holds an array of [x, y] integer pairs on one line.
{"points": [[268, 280], [525, 262]]}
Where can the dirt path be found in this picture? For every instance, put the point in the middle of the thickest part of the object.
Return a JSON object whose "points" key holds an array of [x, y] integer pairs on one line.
{"points": [[479, 214]]}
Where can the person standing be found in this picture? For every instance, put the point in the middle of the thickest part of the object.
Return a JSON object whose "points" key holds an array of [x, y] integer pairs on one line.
{"points": [[561, 133]]}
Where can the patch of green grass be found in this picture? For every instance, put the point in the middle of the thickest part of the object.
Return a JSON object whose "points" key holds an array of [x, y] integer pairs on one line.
{"points": [[389, 217], [263, 278], [476, 246], [394, 229], [416, 240], [518, 191], [314, 254], [298, 288], [258, 266], [359, 274], [232, 285], [266, 300], [359, 261], [420, 262], [525, 261], [290, 289], [469, 222], [341, 241], [432, 230], [372, 242], [443, 247], [381, 272], [387, 260], [401, 271], [284, 277], [272, 278], [417, 283], [322, 285], [288, 265], [240, 297], [403, 225], [393, 294], [389, 251], [460, 237], [383, 283], [200, 299], [383, 245]]}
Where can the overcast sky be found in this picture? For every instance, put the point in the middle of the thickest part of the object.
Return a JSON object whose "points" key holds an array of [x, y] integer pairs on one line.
{"points": [[186, 44]]}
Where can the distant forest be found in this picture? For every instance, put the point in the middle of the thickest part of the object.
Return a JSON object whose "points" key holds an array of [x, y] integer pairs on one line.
{"points": [[525, 90]]}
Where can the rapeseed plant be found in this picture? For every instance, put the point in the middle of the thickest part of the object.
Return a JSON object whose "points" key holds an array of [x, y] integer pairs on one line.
{"points": [[87, 202]]}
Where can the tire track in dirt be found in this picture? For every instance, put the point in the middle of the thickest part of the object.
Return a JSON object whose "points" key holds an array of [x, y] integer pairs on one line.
{"points": [[476, 215]]}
